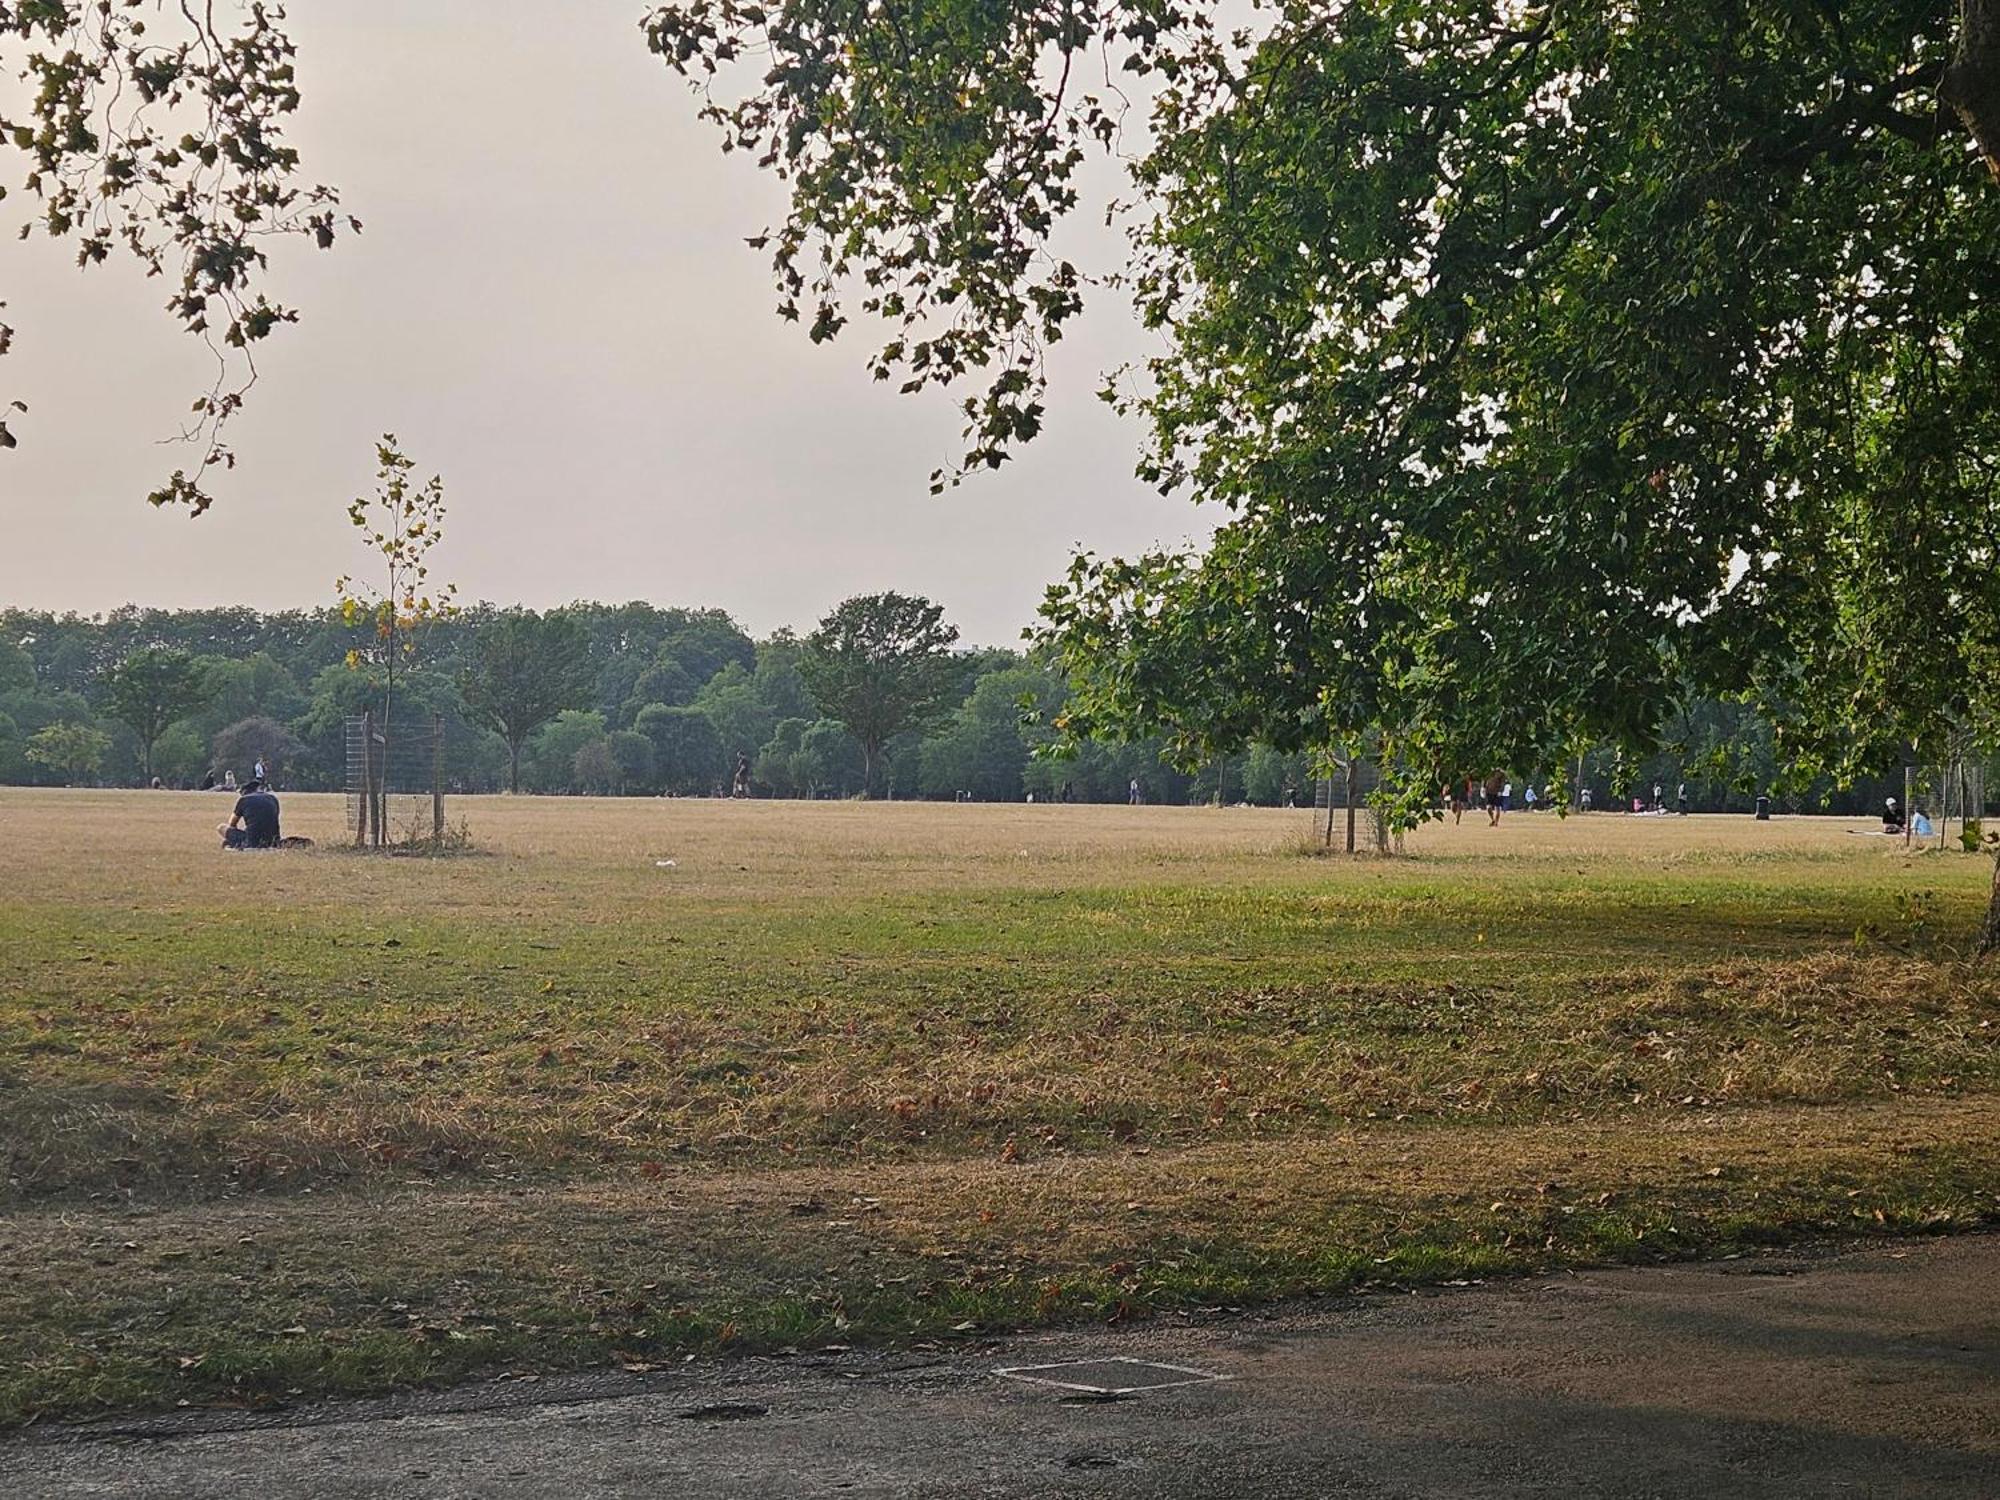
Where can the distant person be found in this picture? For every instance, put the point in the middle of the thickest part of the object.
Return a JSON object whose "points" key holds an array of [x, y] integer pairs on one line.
{"points": [[1659, 798], [1506, 796], [1681, 799], [258, 774], [1528, 799], [157, 783], [254, 823], [1892, 816], [739, 785], [229, 780], [1583, 800], [1490, 792], [1132, 793], [208, 780]]}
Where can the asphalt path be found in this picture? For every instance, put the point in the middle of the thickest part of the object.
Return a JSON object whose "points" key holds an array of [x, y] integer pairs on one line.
{"points": [[1871, 1371]]}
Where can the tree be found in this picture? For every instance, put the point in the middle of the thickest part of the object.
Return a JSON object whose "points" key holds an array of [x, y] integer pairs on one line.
{"points": [[880, 664], [526, 669], [255, 739], [1548, 359], [553, 750], [931, 146], [17, 669], [161, 130], [734, 703], [73, 751], [150, 691], [593, 769], [687, 752], [983, 749], [632, 758], [401, 522], [243, 688]]}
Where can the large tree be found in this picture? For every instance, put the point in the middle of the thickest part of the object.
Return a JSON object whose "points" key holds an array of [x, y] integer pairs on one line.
{"points": [[880, 664], [150, 691], [1551, 360], [526, 668]]}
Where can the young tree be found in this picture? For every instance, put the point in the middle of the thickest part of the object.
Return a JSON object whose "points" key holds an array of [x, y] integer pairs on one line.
{"points": [[880, 664], [74, 751], [401, 522], [150, 691], [526, 669]]}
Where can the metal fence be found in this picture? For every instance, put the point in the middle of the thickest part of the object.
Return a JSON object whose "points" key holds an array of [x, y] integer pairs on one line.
{"points": [[395, 779]]}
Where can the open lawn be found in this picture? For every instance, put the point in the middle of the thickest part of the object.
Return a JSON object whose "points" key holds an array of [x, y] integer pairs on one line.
{"points": [[309, 1121]]}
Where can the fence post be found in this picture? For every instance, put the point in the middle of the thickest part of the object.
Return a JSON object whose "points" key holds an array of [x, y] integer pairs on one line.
{"points": [[437, 779], [364, 795], [1909, 804]]}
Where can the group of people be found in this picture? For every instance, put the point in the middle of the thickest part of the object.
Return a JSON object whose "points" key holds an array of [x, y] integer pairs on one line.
{"points": [[1495, 796]]}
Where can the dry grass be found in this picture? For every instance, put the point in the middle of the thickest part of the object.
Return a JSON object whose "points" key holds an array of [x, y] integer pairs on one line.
{"points": [[1133, 1055]]}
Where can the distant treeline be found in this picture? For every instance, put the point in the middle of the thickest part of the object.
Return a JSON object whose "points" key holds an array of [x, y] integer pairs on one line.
{"points": [[664, 700], [654, 700]]}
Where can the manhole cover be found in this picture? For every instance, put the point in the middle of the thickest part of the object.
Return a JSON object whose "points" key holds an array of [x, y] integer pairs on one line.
{"points": [[1120, 1375]]}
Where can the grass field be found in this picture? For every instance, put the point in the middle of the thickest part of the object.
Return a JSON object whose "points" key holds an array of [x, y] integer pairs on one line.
{"points": [[315, 1121]]}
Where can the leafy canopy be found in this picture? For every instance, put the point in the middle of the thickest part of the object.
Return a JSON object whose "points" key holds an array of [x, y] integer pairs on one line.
{"points": [[880, 664], [1549, 358], [526, 668], [152, 689], [160, 131]]}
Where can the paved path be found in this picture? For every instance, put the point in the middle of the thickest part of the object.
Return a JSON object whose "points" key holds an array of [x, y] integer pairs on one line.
{"points": [[1875, 1372]]}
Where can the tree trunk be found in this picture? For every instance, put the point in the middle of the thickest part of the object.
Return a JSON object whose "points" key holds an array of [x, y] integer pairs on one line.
{"points": [[1971, 85], [1989, 937], [867, 769], [514, 767]]}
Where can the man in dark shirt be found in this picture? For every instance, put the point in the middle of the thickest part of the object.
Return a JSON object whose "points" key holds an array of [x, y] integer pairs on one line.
{"points": [[254, 823]]}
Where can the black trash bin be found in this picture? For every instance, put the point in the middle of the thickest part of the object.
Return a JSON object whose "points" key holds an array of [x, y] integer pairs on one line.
{"points": [[1763, 809]]}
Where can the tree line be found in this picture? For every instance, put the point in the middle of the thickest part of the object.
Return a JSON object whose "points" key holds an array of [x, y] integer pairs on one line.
{"points": [[591, 698], [635, 699]]}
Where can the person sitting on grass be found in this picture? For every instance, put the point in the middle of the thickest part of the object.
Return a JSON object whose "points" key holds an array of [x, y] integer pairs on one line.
{"points": [[254, 823], [1892, 816]]}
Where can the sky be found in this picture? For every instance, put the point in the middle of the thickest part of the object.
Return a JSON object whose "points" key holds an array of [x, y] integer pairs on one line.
{"points": [[552, 305]]}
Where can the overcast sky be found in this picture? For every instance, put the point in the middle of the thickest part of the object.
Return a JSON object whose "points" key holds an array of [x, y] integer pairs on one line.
{"points": [[552, 305]]}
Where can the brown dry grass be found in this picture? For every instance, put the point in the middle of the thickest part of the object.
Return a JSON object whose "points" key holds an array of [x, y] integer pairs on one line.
{"points": [[845, 1069]]}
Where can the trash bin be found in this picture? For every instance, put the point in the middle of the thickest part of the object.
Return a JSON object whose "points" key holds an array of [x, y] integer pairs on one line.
{"points": [[1763, 809]]}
